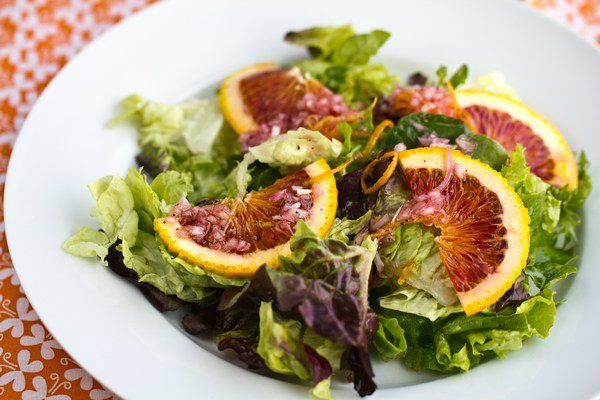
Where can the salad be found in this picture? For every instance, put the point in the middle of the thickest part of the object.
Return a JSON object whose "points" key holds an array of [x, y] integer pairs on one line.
{"points": [[315, 216]]}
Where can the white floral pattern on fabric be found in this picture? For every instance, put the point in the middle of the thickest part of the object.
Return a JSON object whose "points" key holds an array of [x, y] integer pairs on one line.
{"points": [[101, 394], [45, 341], [15, 320], [41, 391], [16, 373], [10, 272], [85, 380]]}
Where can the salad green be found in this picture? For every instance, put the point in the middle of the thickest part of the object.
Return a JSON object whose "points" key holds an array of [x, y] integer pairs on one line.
{"points": [[335, 300]]}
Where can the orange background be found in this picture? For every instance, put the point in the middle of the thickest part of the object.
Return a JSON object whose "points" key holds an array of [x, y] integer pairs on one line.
{"points": [[37, 37]]}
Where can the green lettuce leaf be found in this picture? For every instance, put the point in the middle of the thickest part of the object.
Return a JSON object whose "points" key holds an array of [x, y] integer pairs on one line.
{"points": [[358, 84], [554, 214], [114, 209], [358, 49], [171, 275], [361, 84], [342, 228], [226, 148], [543, 206], [203, 124], [442, 74], [171, 186], [146, 260], [392, 196], [288, 152], [414, 247], [412, 243], [160, 129], [146, 203], [171, 135], [411, 300], [572, 202], [427, 290], [431, 276], [458, 78], [323, 70], [542, 275], [88, 242], [262, 176], [339, 44], [153, 117], [457, 342], [296, 149], [321, 41], [341, 62], [489, 151], [194, 123], [389, 341], [125, 210], [211, 180], [352, 145]]}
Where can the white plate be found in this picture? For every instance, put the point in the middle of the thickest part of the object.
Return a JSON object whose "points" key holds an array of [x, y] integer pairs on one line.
{"points": [[176, 49]]}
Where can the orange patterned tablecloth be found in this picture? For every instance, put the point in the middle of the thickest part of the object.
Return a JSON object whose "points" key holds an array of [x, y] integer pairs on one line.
{"points": [[37, 37]]}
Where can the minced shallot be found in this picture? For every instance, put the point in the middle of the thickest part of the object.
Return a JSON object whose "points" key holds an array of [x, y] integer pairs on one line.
{"points": [[207, 225], [212, 225], [429, 203], [432, 140], [325, 104], [406, 100]]}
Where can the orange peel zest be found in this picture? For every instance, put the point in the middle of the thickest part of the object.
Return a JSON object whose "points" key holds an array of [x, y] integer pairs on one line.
{"points": [[389, 171], [374, 137]]}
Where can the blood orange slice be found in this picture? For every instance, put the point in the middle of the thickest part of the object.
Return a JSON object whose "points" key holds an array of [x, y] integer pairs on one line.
{"points": [[234, 237], [510, 123], [484, 227], [264, 100]]}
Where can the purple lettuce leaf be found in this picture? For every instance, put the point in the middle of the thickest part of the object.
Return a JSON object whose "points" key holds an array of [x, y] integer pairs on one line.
{"points": [[515, 295], [321, 369], [417, 79], [357, 361], [226, 323], [353, 203], [245, 350], [332, 309], [324, 284]]}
